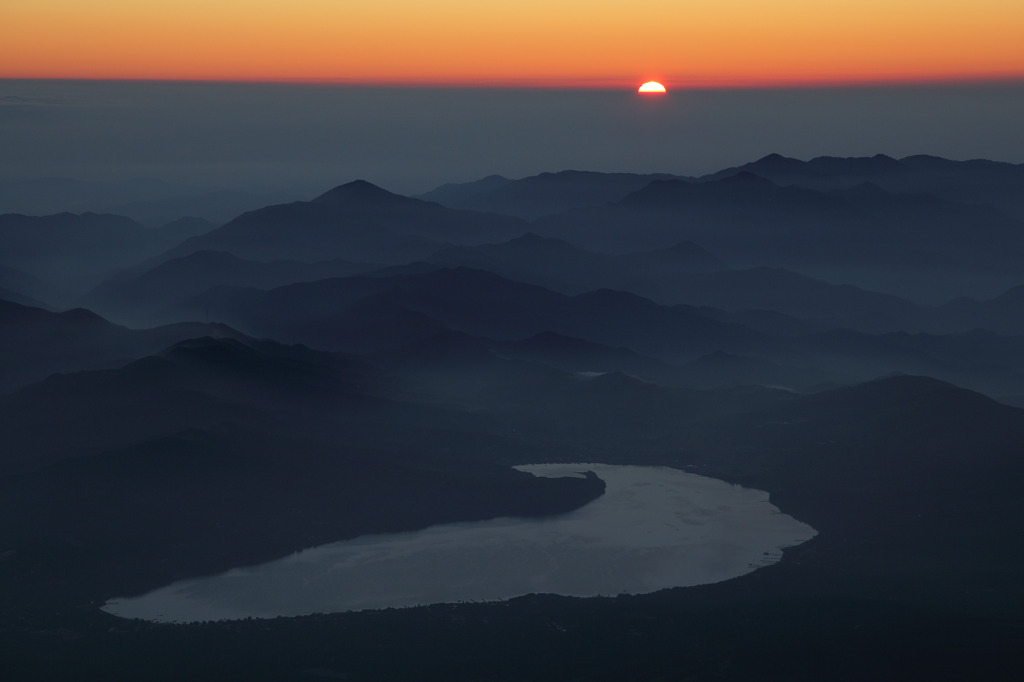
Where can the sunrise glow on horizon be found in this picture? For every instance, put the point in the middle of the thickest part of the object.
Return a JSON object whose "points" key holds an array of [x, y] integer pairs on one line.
{"points": [[651, 88], [570, 44]]}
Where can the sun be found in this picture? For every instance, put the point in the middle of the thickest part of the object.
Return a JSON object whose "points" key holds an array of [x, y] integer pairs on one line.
{"points": [[652, 88]]}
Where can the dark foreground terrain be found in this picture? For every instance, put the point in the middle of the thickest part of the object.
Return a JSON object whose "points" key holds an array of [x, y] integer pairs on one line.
{"points": [[842, 333]]}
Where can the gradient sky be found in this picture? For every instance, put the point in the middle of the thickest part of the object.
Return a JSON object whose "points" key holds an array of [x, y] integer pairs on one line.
{"points": [[526, 42]]}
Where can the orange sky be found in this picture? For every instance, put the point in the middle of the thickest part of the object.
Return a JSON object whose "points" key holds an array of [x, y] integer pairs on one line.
{"points": [[525, 42]]}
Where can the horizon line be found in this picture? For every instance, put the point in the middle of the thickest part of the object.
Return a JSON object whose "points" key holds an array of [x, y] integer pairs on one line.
{"points": [[615, 83]]}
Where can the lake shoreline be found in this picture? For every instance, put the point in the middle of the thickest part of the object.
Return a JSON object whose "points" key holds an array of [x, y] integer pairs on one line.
{"points": [[654, 528]]}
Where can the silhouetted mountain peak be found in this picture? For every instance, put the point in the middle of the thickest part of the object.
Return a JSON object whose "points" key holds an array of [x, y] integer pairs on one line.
{"points": [[778, 165], [362, 192], [903, 390], [857, 165], [203, 344], [264, 364], [207, 351], [776, 162], [83, 316], [78, 319]]}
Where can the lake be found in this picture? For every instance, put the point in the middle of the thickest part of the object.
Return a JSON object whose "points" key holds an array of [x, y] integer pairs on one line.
{"points": [[654, 528]]}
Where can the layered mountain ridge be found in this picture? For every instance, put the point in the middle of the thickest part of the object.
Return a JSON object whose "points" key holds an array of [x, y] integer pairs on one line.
{"points": [[843, 334]]}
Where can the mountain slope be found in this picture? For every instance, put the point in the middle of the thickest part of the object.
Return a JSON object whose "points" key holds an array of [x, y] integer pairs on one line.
{"points": [[64, 250], [915, 246], [978, 181], [684, 274], [477, 303], [543, 194], [35, 343], [357, 221], [160, 294]]}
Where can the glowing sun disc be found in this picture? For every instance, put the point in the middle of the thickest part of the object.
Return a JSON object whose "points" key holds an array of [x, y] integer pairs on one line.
{"points": [[652, 88]]}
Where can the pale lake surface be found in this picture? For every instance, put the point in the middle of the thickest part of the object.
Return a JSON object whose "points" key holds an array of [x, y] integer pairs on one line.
{"points": [[654, 528]]}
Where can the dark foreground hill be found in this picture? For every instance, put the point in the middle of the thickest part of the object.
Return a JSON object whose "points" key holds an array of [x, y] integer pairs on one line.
{"points": [[915, 573], [219, 453]]}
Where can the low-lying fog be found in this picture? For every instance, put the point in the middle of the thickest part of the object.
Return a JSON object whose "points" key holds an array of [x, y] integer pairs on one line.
{"points": [[654, 528]]}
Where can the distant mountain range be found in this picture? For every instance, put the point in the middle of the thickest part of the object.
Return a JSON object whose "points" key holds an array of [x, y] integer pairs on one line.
{"points": [[357, 221], [201, 394], [160, 293], [749, 221], [150, 202], [544, 194], [981, 182]]}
